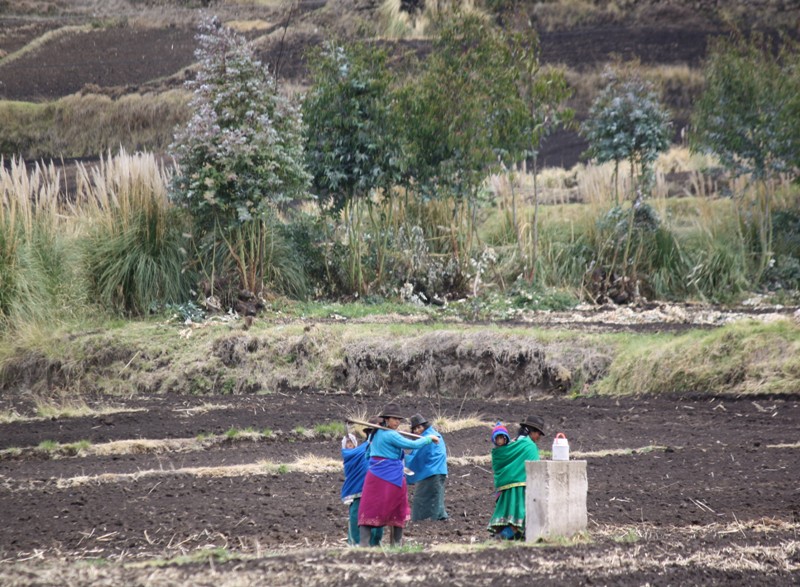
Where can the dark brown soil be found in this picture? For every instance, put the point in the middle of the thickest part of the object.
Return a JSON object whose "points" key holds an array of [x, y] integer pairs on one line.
{"points": [[708, 474], [99, 59]]}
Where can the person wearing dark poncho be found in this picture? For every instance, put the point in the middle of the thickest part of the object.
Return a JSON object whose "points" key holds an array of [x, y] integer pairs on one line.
{"points": [[355, 469], [384, 498], [508, 465], [429, 467]]}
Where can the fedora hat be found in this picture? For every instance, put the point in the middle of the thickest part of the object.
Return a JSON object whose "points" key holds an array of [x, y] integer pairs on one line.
{"points": [[535, 422], [417, 420], [392, 411], [375, 421]]}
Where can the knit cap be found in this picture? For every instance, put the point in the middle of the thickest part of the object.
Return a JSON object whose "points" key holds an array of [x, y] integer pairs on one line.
{"points": [[352, 438], [498, 430]]}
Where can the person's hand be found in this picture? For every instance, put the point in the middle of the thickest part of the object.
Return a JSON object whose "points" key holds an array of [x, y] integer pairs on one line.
{"points": [[435, 439]]}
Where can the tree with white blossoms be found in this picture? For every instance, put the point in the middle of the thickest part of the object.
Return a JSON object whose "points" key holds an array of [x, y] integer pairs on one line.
{"points": [[240, 158]]}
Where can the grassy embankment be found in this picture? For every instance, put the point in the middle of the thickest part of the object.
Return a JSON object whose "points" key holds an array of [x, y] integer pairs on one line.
{"points": [[150, 357]]}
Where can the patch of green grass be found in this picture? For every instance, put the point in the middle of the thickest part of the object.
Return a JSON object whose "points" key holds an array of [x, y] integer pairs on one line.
{"points": [[629, 537], [204, 556], [406, 548], [76, 448], [94, 562], [232, 433], [331, 429], [300, 431], [579, 538], [228, 386], [268, 433], [48, 446], [511, 305], [327, 310], [282, 469]]}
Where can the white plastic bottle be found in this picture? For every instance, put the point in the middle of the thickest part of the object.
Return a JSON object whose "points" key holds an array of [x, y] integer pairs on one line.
{"points": [[560, 447]]}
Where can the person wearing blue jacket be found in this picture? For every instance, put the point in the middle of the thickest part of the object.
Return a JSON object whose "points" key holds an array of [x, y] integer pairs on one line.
{"points": [[355, 459], [429, 467], [384, 497]]}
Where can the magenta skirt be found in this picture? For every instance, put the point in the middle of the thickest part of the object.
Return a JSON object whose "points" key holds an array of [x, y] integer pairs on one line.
{"points": [[383, 503]]}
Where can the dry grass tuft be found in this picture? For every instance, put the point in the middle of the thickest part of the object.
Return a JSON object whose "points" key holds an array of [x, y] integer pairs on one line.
{"points": [[311, 463], [88, 124], [145, 446], [248, 26], [306, 464], [446, 424], [203, 408], [784, 445], [8, 416], [360, 415], [616, 452], [64, 406], [397, 23]]}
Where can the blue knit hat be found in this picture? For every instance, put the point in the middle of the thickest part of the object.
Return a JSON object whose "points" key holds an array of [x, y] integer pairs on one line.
{"points": [[498, 430]]}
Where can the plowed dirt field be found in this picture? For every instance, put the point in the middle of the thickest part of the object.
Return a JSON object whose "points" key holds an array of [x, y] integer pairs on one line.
{"points": [[681, 491]]}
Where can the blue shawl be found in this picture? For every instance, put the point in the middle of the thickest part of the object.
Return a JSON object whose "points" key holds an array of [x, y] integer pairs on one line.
{"points": [[355, 469]]}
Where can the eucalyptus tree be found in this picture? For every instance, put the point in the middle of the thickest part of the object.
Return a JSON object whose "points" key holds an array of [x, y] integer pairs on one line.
{"points": [[241, 163], [545, 91], [749, 115], [463, 114], [627, 122], [352, 144]]}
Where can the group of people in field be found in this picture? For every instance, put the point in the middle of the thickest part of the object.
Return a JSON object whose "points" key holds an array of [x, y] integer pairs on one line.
{"points": [[378, 471]]}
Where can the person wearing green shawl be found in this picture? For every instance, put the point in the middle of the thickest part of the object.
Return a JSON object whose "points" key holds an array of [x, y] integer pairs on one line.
{"points": [[508, 465]]}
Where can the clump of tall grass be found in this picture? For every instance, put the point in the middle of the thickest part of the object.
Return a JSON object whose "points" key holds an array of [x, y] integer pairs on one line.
{"points": [[136, 240], [39, 270]]}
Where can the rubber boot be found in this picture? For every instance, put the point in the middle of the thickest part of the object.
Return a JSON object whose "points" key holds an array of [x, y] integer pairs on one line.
{"points": [[396, 538], [364, 533]]}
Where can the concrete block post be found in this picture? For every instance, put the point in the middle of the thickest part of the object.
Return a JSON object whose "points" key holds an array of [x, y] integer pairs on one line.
{"points": [[555, 499]]}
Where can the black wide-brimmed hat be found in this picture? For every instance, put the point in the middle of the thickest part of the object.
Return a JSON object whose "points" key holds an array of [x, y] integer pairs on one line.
{"points": [[535, 422], [375, 421], [418, 420], [392, 411]]}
